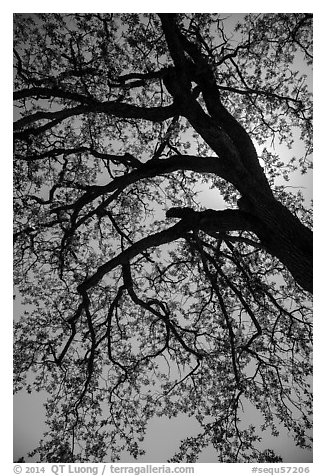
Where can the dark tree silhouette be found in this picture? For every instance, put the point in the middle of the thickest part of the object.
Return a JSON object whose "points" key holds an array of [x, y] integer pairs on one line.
{"points": [[140, 302]]}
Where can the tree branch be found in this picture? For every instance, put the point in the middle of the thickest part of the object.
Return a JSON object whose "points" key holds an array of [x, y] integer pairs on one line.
{"points": [[117, 109], [209, 220], [153, 168], [224, 134], [54, 92]]}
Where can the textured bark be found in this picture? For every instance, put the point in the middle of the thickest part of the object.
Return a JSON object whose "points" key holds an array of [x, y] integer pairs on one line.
{"points": [[286, 238]]}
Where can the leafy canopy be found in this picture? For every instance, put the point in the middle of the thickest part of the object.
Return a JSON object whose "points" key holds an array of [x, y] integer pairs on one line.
{"points": [[131, 312]]}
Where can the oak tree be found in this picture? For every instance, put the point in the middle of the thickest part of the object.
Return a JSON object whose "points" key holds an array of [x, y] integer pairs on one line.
{"points": [[138, 300]]}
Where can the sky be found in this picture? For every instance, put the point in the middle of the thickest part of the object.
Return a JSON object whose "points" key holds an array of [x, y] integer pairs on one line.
{"points": [[162, 438], [28, 410], [28, 425]]}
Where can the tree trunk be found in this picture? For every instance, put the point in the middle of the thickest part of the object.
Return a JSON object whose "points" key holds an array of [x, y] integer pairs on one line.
{"points": [[284, 237]]}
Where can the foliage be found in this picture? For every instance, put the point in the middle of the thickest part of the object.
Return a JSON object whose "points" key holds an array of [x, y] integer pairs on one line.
{"points": [[121, 119]]}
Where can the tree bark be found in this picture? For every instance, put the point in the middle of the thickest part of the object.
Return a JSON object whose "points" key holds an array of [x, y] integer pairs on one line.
{"points": [[286, 238]]}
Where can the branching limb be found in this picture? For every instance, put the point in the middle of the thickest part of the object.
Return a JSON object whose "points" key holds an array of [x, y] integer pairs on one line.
{"points": [[209, 220], [165, 316], [114, 108]]}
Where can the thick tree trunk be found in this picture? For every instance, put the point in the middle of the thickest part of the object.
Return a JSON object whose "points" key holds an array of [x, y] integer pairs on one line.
{"points": [[284, 237]]}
